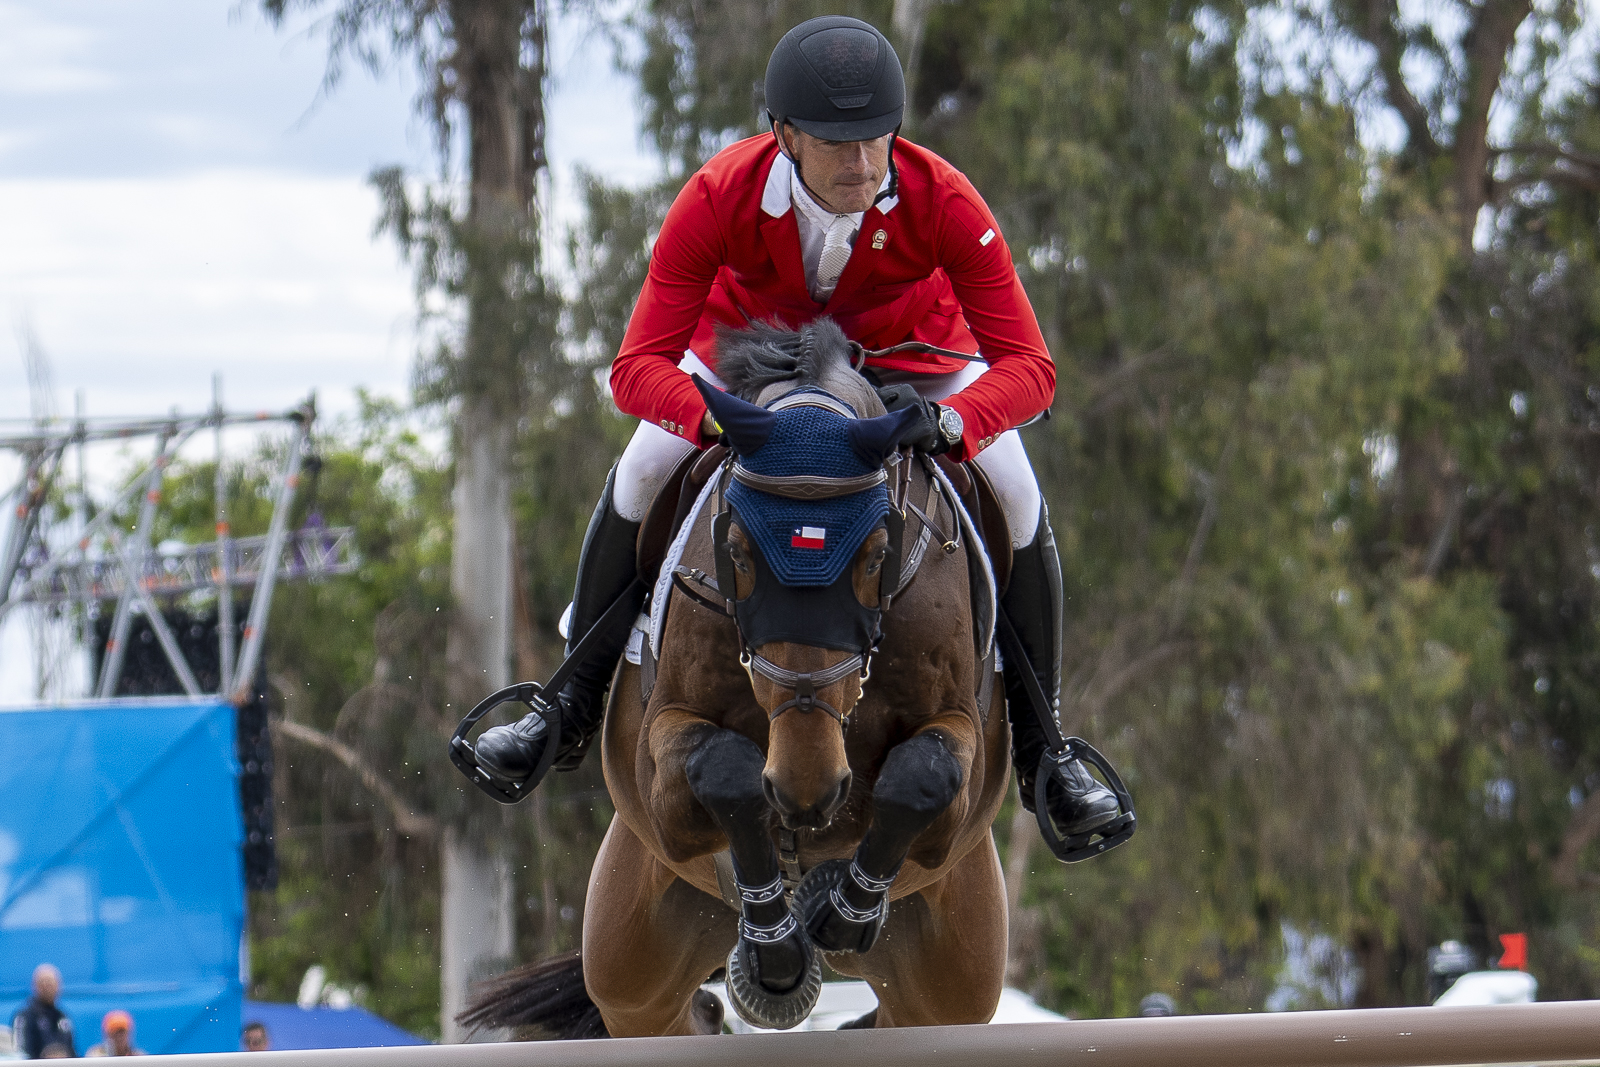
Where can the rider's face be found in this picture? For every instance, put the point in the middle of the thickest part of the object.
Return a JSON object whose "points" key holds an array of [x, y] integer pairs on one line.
{"points": [[843, 175]]}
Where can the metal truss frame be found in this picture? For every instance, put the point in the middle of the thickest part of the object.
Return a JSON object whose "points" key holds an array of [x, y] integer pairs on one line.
{"points": [[108, 563]]}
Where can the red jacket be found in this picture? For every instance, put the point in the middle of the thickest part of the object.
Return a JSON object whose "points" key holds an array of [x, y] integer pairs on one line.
{"points": [[929, 265]]}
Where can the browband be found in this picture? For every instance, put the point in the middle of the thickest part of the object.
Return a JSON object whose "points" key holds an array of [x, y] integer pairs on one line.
{"points": [[807, 486], [812, 400]]}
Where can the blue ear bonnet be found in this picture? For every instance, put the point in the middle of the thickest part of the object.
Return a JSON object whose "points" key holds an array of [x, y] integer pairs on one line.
{"points": [[808, 543]]}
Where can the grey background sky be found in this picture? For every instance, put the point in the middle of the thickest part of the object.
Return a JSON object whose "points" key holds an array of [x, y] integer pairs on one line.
{"points": [[176, 200]]}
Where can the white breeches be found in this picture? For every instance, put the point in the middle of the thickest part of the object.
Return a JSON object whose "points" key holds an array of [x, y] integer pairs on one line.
{"points": [[653, 453]]}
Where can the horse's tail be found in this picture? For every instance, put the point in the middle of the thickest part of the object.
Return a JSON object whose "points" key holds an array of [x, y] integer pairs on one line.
{"points": [[538, 1001]]}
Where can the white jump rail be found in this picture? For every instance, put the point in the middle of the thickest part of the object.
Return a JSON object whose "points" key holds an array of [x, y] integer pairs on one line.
{"points": [[1546, 1034]]}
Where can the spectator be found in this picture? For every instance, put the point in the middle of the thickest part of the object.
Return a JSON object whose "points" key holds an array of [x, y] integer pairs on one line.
{"points": [[254, 1037], [117, 1027], [57, 1051], [39, 1023], [1157, 1006]]}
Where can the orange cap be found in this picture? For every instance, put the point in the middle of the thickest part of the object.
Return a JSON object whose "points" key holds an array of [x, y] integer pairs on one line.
{"points": [[117, 1020]]}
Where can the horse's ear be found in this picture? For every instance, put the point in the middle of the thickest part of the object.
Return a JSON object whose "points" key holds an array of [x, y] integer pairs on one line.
{"points": [[746, 425], [874, 439]]}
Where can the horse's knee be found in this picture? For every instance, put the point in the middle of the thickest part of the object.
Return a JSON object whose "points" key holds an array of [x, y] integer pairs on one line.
{"points": [[724, 774], [919, 779]]}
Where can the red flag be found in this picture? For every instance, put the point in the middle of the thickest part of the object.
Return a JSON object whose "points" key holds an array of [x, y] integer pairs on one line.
{"points": [[1516, 952], [809, 537]]}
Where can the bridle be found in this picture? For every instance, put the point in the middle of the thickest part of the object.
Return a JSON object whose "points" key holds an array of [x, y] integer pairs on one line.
{"points": [[896, 575], [804, 684], [896, 572]]}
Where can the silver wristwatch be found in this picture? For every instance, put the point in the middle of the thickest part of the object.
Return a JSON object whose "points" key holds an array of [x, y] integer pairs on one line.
{"points": [[950, 425]]}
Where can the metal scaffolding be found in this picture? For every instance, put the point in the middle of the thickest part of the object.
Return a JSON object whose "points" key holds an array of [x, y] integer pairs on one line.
{"points": [[105, 561]]}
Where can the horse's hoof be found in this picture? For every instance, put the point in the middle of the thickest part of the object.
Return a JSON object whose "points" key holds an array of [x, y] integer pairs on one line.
{"points": [[830, 929], [772, 1011]]}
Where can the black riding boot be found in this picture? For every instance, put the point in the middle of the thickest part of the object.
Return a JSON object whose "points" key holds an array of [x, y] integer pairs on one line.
{"points": [[1078, 803], [605, 571]]}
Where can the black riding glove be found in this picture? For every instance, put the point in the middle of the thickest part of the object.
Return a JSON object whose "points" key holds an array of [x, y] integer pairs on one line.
{"points": [[924, 435]]}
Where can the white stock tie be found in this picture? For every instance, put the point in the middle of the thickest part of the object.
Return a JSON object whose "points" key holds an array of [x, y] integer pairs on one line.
{"points": [[835, 254]]}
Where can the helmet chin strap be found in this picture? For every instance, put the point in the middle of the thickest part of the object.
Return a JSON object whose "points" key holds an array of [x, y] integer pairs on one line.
{"points": [[894, 174]]}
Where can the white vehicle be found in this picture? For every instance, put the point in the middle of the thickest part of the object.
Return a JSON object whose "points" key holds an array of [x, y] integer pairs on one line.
{"points": [[1490, 987]]}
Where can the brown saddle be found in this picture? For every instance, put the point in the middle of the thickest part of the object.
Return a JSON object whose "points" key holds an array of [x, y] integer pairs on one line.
{"points": [[672, 504]]}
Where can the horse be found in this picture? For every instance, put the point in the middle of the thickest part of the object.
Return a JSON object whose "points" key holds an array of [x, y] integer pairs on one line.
{"points": [[803, 760]]}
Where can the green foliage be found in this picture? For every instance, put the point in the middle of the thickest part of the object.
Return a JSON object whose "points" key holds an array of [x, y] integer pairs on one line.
{"points": [[483, 288], [360, 903], [704, 64], [1264, 357], [367, 914]]}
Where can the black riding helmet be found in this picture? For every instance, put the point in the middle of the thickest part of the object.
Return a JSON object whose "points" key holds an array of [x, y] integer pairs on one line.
{"points": [[838, 79]]}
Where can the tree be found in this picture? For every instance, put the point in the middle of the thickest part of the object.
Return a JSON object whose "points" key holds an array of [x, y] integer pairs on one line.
{"points": [[483, 65], [1493, 466]]}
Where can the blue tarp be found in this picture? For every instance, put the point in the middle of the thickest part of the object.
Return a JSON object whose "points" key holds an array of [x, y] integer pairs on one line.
{"points": [[120, 832], [290, 1026]]}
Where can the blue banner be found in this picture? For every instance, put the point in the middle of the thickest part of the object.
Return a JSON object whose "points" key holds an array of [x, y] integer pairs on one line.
{"points": [[120, 836]]}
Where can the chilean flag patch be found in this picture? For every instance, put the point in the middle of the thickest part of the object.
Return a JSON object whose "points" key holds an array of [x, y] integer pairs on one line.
{"points": [[809, 537]]}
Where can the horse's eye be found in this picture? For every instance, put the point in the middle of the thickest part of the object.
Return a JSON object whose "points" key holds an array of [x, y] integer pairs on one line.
{"points": [[741, 562], [875, 564]]}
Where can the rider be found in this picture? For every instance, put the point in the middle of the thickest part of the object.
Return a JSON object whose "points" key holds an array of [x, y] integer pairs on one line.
{"points": [[831, 214]]}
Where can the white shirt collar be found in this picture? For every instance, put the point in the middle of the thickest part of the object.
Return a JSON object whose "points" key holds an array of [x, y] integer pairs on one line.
{"points": [[775, 197]]}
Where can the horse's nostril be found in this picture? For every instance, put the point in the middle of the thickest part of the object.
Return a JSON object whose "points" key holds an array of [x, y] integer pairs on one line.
{"points": [[780, 803]]}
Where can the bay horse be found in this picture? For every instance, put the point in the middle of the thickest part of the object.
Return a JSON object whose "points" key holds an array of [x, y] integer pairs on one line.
{"points": [[802, 761]]}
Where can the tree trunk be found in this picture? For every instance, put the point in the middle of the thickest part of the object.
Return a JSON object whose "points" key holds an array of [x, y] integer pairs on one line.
{"points": [[499, 67], [908, 20], [479, 641], [1022, 925], [1486, 46], [477, 935], [476, 925]]}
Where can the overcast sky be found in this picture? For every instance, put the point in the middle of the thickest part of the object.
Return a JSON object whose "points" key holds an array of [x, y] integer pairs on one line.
{"points": [[177, 199]]}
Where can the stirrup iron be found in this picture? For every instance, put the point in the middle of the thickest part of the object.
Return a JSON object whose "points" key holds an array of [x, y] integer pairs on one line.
{"points": [[465, 756], [532, 694], [1076, 847]]}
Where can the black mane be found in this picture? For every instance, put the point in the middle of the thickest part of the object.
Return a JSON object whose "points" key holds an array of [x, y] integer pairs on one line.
{"points": [[766, 354]]}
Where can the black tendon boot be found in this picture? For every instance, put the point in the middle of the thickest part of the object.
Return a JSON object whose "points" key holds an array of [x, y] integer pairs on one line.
{"points": [[605, 571], [1078, 803]]}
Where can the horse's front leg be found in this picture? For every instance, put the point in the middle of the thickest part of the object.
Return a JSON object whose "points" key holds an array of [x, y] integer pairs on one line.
{"points": [[773, 972], [844, 903]]}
